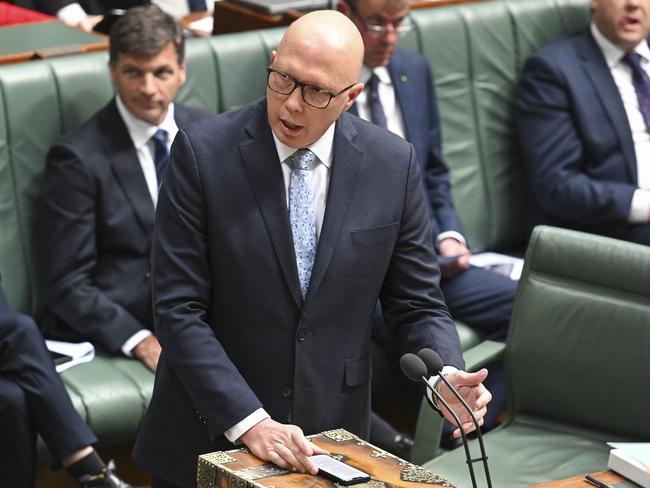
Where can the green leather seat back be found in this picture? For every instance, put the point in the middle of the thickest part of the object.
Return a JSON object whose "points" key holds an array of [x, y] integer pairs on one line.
{"points": [[576, 361], [580, 334], [476, 52]]}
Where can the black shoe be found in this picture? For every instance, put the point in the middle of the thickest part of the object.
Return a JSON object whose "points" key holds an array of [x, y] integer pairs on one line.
{"points": [[106, 479]]}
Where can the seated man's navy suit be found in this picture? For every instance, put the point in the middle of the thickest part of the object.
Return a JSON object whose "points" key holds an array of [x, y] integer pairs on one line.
{"points": [[479, 298], [576, 141], [96, 225], [32, 400]]}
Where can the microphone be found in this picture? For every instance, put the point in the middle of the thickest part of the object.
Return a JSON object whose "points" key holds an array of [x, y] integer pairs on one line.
{"points": [[434, 366], [414, 369]]}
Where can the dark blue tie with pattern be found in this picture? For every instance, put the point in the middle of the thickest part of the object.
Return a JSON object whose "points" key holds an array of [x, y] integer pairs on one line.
{"points": [[641, 82], [197, 5], [161, 154], [377, 114]]}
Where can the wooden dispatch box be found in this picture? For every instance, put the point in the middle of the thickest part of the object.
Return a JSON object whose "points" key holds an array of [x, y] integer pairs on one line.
{"points": [[241, 469]]}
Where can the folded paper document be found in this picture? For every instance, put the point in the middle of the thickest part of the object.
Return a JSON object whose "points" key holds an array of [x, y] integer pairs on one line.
{"points": [[68, 354]]}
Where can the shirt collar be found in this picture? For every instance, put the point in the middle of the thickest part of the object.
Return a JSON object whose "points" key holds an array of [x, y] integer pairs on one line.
{"points": [[380, 71], [612, 53], [141, 131], [322, 148]]}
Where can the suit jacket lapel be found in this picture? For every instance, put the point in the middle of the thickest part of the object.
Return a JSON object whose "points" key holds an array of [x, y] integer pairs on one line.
{"points": [[119, 149], [598, 72], [344, 174], [405, 97], [260, 160]]}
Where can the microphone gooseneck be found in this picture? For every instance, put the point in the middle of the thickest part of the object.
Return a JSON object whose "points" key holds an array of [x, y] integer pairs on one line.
{"points": [[414, 369], [434, 366]]}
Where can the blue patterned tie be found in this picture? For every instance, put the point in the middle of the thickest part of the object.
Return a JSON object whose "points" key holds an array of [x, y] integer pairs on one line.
{"points": [[161, 154], [301, 214], [377, 114], [641, 83]]}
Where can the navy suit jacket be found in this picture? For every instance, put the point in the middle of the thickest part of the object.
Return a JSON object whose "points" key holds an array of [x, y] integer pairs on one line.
{"points": [[96, 223], [415, 94], [235, 332], [576, 141]]}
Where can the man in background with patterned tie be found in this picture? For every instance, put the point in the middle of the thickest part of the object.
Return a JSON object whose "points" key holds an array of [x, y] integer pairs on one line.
{"points": [[100, 190], [400, 96], [583, 117], [279, 227]]}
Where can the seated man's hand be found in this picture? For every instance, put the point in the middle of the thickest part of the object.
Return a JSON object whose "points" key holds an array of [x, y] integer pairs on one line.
{"points": [[282, 444], [452, 247], [148, 351], [88, 23], [470, 386]]}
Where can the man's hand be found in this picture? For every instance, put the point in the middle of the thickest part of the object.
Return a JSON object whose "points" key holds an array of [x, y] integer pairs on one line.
{"points": [[88, 23], [470, 386], [282, 444], [148, 351], [451, 247]]}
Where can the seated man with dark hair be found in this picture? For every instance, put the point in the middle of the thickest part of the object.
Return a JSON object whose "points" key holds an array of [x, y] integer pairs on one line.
{"points": [[34, 400], [583, 118], [100, 190]]}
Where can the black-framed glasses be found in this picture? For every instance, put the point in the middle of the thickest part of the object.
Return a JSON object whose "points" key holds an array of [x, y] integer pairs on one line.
{"points": [[378, 29], [312, 95]]}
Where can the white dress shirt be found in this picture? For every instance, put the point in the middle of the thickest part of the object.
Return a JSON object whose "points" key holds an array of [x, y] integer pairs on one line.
{"points": [[394, 119], [320, 179], [622, 74], [141, 133]]}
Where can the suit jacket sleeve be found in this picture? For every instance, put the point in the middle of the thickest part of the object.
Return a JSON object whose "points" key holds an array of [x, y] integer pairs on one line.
{"points": [[69, 254], [51, 7], [554, 155], [181, 293], [436, 173], [413, 305]]}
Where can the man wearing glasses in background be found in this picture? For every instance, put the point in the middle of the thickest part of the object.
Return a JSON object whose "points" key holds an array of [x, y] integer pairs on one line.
{"points": [[399, 95], [278, 228]]}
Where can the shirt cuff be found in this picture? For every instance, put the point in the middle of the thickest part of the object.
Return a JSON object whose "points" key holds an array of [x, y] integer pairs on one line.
{"points": [[639, 207], [239, 429], [453, 235], [433, 381], [134, 340], [71, 14]]}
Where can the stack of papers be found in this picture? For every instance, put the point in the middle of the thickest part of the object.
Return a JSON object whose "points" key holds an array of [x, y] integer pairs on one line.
{"points": [[632, 460], [68, 354], [499, 263]]}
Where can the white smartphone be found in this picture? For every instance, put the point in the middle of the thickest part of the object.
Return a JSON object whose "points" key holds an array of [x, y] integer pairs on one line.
{"points": [[338, 471]]}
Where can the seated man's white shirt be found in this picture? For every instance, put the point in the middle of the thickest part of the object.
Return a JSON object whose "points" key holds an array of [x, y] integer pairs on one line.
{"points": [[141, 133]]}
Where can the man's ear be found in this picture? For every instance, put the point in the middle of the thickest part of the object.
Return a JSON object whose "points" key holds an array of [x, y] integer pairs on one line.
{"points": [[273, 54], [343, 7], [353, 93]]}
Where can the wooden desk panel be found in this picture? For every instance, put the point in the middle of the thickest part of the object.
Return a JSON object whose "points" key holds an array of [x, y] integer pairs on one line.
{"points": [[46, 39], [580, 482], [233, 17]]}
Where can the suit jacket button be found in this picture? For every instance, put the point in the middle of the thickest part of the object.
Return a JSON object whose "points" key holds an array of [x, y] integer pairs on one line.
{"points": [[287, 391], [147, 275], [301, 336]]}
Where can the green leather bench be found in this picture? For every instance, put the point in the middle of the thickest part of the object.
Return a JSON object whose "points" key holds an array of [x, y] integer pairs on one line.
{"points": [[475, 49]]}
